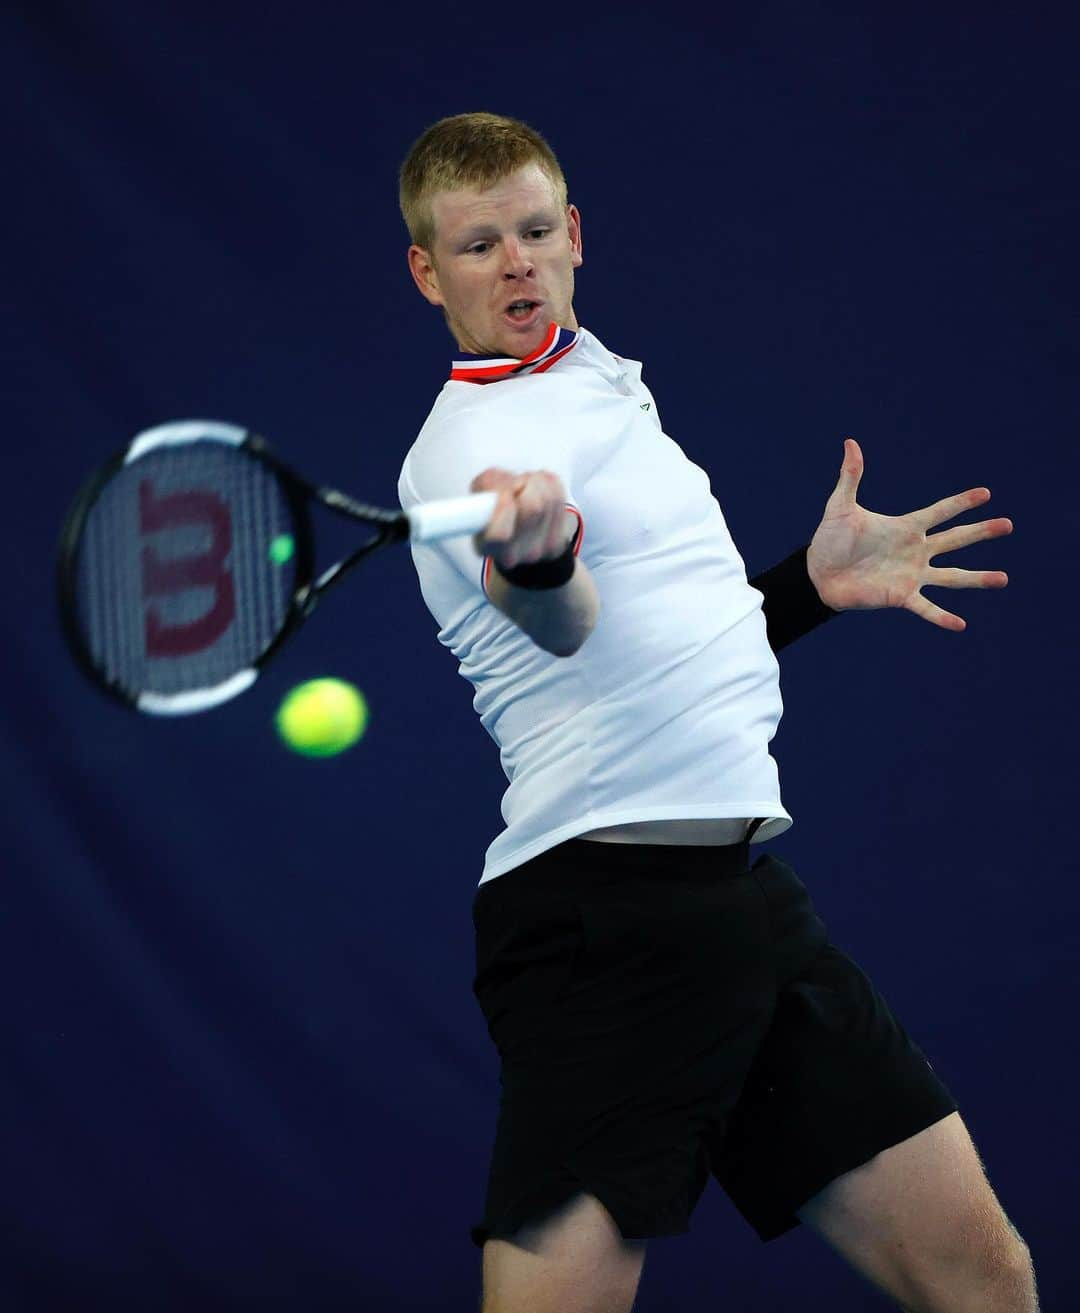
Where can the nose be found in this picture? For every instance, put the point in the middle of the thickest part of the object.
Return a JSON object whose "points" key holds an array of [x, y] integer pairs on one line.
{"points": [[516, 261]]}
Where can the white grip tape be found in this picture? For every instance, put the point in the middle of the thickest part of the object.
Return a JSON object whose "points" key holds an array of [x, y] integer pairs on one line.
{"points": [[451, 517]]}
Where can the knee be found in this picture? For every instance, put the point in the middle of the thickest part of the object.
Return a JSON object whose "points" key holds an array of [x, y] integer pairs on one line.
{"points": [[980, 1267], [1000, 1257], [1016, 1270]]}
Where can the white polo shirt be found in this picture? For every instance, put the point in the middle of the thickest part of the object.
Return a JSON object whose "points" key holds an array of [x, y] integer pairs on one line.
{"points": [[667, 710]]}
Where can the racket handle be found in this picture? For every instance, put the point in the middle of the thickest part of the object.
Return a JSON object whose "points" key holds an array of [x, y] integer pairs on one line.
{"points": [[451, 517]]}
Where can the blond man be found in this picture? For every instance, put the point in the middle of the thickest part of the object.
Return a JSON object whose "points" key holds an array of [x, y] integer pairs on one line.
{"points": [[667, 1006]]}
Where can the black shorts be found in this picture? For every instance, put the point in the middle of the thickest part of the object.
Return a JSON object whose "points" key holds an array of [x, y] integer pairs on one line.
{"points": [[666, 1013]]}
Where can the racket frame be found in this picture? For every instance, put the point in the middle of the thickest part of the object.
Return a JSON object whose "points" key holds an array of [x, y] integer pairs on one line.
{"points": [[299, 493]]}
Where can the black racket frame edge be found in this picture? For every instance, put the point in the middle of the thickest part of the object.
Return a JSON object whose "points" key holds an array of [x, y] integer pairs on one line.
{"points": [[393, 526]]}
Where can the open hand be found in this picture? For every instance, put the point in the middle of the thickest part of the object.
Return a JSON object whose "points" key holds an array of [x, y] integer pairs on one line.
{"points": [[858, 559]]}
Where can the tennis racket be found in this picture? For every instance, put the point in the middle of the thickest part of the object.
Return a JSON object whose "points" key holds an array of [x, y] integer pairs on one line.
{"points": [[188, 558]]}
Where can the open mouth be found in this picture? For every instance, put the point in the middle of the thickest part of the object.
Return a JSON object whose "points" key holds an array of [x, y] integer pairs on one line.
{"points": [[522, 310]]}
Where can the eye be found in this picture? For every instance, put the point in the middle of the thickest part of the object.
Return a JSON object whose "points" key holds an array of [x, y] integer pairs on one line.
{"points": [[480, 248]]}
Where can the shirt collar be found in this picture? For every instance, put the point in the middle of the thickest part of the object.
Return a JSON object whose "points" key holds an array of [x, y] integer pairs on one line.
{"points": [[489, 369]]}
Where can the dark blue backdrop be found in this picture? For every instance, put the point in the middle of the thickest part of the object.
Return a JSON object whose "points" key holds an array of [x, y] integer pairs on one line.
{"points": [[242, 1061]]}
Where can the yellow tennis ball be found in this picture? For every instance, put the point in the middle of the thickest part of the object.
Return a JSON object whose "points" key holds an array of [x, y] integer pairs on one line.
{"points": [[322, 717]]}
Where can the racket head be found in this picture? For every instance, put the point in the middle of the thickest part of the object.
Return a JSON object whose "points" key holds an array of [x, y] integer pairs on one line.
{"points": [[184, 563]]}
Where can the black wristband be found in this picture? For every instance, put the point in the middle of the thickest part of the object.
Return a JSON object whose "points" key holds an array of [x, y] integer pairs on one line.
{"points": [[790, 601], [543, 574]]}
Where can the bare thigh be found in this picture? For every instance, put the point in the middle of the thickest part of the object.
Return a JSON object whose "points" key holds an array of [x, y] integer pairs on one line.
{"points": [[921, 1221], [575, 1262]]}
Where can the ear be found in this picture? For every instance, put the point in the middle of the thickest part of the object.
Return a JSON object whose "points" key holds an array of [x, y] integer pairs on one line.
{"points": [[425, 275], [573, 226]]}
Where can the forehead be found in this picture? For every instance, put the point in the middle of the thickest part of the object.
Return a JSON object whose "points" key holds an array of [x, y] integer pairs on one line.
{"points": [[519, 193]]}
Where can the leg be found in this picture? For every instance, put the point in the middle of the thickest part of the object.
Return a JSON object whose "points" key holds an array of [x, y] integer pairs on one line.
{"points": [[575, 1262], [921, 1221]]}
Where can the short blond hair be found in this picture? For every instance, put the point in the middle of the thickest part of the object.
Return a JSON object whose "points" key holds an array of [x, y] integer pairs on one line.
{"points": [[468, 151]]}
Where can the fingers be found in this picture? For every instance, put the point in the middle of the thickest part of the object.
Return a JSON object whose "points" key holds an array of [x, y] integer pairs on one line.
{"points": [[851, 471], [556, 540], [950, 540], [503, 518], [936, 615], [528, 523], [928, 611], [949, 507], [539, 530], [963, 536], [966, 578], [495, 480], [853, 459]]}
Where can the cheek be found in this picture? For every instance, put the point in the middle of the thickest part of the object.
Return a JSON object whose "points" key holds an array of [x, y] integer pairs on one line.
{"points": [[470, 293], [564, 265]]}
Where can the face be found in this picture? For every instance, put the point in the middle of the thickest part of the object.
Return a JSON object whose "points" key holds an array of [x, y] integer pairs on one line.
{"points": [[510, 243]]}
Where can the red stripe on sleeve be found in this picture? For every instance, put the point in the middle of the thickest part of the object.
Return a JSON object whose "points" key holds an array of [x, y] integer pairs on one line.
{"points": [[579, 538]]}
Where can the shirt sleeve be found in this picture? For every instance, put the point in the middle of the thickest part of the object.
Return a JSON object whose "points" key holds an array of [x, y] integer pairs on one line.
{"points": [[790, 601]]}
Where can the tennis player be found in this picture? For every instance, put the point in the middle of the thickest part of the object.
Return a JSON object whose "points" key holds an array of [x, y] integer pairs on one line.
{"points": [[666, 1006]]}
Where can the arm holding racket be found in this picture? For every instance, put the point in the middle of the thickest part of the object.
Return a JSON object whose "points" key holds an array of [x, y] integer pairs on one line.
{"points": [[528, 526]]}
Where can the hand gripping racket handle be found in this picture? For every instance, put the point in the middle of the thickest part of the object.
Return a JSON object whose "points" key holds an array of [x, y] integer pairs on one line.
{"points": [[451, 516]]}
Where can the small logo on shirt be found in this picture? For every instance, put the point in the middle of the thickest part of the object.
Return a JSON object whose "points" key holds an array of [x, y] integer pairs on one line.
{"points": [[646, 405]]}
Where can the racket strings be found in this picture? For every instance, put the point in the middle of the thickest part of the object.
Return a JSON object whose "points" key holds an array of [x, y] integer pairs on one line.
{"points": [[186, 569]]}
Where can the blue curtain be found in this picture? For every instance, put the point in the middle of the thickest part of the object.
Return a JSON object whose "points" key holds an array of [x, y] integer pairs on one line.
{"points": [[242, 1060]]}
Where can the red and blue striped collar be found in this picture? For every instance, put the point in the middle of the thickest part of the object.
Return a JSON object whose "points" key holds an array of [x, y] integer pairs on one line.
{"points": [[489, 369]]}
